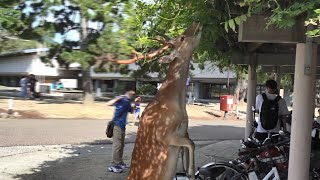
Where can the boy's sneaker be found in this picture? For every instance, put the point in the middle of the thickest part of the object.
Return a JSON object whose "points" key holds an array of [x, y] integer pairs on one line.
{"points": [[115, 169], [124, 166]]}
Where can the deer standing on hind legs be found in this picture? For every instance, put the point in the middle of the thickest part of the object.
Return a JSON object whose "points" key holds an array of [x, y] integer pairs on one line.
{"points": [[163, 128]]}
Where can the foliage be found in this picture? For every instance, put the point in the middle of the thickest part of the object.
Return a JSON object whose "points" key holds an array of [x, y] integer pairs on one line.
{"points": [[10, 17], [146, 89], [316, 22], [172, 17], [287, 81], [10, 43], [87, 20], [285, 13], [119, 89], [11, 27]]}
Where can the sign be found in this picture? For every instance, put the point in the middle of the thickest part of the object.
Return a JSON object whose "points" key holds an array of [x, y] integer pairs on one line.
{"points": [[229, 101]]}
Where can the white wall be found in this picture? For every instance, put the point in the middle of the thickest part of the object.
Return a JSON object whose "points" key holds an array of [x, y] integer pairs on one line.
{"points": [[22, 65], [209, 72], [41, 69], [12, 65]]}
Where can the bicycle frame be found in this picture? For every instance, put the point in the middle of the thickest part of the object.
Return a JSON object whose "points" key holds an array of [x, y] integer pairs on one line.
{"points": [[274, 171]]}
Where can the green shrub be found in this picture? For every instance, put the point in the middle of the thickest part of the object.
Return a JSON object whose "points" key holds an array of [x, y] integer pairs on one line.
{"points": [[147, 89]]}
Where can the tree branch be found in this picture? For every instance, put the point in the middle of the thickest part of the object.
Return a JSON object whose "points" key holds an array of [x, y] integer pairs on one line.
{"points": [[167, 44], [136, 56]]}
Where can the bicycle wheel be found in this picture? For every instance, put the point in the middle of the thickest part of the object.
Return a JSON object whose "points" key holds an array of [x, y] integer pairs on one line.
{"points": [[220, 171]]}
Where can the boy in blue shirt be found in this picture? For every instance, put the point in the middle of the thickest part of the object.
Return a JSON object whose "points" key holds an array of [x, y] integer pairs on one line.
{"points": [[122, 106]]}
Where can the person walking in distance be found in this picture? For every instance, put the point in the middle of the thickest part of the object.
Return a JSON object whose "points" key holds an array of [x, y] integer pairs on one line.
{"points": [[32, 85], [123, 105], [270, 107], [24, 87]]}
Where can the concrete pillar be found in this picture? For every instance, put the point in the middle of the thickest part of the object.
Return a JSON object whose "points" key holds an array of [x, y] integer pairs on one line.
{"points": [[138, 84], [196, 94], [251, 93], [303, 110], [115, 85], [96, 84], [97, 88]]}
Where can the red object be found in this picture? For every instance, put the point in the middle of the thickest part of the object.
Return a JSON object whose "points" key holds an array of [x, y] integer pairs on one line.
{"points": [[275, 152], [226, 103]]}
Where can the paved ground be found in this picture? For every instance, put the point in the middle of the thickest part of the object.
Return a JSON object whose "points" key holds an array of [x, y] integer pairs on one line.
{"points": [[78, 149], [20, 132], [86, 162]]}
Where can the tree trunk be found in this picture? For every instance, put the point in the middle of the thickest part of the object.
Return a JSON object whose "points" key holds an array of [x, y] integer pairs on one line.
{"points": [[240, 90], [86, 76], [87, 87]]}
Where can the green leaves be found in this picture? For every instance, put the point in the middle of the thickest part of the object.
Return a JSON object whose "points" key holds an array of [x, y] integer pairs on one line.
{"points": [[110, 25], [316, 22], [314, 33], [10, 20], [284, 14], [232, 23], [82, 58]]}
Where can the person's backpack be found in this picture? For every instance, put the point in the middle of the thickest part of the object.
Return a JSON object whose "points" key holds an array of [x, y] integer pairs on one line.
{"points": [[269, 112]]}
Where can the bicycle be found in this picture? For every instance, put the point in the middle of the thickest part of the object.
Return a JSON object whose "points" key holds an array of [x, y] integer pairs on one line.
{"points": [[252, 165], [247, 166]]}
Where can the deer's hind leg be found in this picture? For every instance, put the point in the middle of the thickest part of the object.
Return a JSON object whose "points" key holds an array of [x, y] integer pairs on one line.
{"points": [[189, 145]]}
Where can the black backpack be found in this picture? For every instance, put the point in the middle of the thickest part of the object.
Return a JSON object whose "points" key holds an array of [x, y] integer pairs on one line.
{"points": [[269, 112]]}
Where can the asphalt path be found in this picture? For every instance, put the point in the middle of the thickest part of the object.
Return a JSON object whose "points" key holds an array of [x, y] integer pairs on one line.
{"points": [[28, 132]]}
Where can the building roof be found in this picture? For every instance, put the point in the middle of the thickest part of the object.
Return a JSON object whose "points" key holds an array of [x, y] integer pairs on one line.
{"points": [[24, 52]]}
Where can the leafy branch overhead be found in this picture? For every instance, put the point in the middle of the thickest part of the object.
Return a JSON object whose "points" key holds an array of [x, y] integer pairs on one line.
{"points": [[283, 13]]}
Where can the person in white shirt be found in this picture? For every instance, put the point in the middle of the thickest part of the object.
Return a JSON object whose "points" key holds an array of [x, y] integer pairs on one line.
{"points": [[271, 92]]}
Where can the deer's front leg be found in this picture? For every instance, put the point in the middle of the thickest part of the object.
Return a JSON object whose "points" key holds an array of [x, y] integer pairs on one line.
{"points": [[189, 144]]}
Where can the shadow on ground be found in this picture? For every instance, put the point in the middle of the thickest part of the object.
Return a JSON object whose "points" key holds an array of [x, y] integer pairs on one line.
{"points": [[90, 159], [213, 114]]}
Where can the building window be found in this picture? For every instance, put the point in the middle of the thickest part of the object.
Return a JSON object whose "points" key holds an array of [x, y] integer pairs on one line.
{"points": [[107, 85], [214, 91]]}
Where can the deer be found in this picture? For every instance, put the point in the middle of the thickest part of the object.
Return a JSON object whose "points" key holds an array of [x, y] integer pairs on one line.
{"points": [[163, 127]]}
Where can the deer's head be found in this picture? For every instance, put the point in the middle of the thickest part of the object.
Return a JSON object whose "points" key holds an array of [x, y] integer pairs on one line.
{"points": [[185, 44], [189, 40]]}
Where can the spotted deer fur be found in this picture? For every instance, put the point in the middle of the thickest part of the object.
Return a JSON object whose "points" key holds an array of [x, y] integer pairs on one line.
{"points": [[163, 127]]}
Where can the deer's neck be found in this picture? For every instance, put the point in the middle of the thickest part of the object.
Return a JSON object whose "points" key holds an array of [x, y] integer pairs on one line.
{"points": [[174, 85]]}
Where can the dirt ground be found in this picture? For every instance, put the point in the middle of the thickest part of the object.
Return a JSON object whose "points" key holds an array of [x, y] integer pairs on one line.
{"points": [[98, 110]]}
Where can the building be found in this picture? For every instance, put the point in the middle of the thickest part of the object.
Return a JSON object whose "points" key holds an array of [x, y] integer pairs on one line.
{"points": [[208, 83], [15, 65]]}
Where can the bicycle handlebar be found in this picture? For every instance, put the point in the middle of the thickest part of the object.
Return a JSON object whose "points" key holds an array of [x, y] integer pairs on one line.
{"points": [[255, 151]]}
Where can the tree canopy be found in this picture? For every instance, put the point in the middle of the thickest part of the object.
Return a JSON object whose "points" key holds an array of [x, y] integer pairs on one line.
{"points": [[284, 13], [11, 26], [10, 17], [85, 20]]}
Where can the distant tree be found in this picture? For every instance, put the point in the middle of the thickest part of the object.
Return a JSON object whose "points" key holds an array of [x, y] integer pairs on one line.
{"points": [[87, 19], [11, 27]]}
